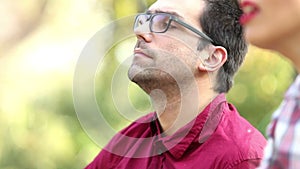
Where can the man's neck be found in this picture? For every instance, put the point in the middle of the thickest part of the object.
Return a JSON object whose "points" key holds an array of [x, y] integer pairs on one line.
{"points": [[176, 111]]}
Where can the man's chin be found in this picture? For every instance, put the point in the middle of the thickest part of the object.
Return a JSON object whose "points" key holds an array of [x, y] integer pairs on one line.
{"points": [[136, 71], [133, 71]]}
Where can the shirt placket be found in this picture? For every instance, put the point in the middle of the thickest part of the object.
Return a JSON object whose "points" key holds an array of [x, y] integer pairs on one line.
{"points": [[159, 155]]}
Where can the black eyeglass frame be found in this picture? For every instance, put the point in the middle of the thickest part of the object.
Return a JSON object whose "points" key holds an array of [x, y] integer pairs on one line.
{"points": [[172, 18]]}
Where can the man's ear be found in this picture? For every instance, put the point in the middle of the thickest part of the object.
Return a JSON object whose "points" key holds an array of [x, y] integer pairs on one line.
{"points": [[217, 57]]}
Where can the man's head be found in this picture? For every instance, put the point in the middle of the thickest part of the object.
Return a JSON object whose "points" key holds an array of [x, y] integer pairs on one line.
{"points": [[187, 47]]}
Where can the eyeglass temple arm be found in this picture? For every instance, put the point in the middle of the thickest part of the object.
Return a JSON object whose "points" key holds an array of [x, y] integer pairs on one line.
{"points": [[193, 29]]}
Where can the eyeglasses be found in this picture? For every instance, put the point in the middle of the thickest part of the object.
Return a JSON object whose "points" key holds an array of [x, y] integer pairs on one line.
{"points": [[160, 23]]}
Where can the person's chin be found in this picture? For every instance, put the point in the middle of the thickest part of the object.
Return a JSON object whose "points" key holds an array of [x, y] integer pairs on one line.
{"points": [[134, 72], [257, 38]]}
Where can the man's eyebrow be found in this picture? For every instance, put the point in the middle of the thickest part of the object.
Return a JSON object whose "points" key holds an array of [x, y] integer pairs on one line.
{"points": [[163, 11]]}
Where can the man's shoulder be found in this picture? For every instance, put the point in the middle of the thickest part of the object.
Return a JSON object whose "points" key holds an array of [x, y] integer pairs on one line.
{"points": [[238, 141], [242, 138], [241, 129]]}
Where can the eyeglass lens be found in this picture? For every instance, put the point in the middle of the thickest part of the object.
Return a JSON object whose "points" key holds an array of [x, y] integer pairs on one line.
{"points": [[158, 22]]}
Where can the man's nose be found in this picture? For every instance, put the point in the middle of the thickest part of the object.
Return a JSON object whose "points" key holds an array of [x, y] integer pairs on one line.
{"points": [[143, 32]]}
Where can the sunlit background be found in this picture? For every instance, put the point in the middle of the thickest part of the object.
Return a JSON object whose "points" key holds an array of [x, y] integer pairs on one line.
{"points": [[40, 42]]}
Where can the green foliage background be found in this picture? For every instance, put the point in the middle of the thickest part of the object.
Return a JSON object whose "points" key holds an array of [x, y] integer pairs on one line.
{"points": [[39, 46]]}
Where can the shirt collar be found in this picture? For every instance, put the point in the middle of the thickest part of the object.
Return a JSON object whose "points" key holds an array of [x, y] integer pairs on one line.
{"points": [[198, 130]]}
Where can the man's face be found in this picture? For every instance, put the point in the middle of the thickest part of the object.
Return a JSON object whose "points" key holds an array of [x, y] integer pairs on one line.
{"points": [[162, 57]]}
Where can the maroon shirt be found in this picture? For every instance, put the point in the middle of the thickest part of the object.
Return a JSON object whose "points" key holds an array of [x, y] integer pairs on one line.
{"points": [[218, 138]]}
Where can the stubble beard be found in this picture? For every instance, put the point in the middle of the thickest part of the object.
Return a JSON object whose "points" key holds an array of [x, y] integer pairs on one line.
{"points": [[151, 78]]}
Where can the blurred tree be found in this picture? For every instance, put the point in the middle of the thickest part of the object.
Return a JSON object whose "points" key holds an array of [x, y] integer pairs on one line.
{"points": [[18, 20]]}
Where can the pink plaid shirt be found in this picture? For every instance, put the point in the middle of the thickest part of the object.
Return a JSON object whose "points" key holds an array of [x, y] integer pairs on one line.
{"points": [[283, 148]]}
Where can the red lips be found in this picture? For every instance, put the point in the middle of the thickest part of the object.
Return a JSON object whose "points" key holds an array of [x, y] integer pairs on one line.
{"points": [[250, 10]]}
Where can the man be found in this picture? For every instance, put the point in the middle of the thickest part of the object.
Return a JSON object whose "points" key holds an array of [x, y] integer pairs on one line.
{"points": [[186, 73]]}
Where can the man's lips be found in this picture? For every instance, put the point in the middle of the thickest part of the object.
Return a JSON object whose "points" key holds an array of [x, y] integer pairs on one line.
{"points": [[140, 53], [250, 10]]}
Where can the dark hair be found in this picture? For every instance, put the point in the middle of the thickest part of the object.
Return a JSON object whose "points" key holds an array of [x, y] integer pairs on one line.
{"points": [[220, 21]]}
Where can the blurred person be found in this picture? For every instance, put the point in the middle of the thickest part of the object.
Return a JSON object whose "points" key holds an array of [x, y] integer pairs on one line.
{"points": [[275, 25], [185, 58]]}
